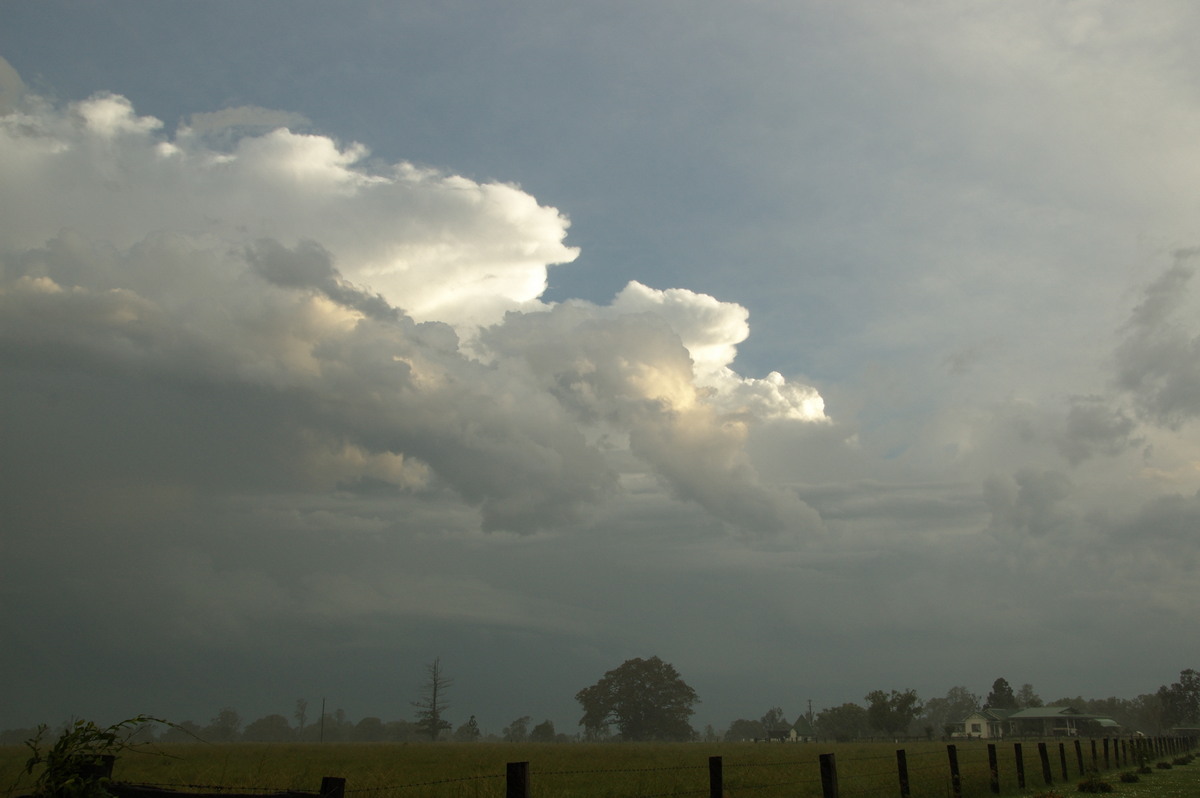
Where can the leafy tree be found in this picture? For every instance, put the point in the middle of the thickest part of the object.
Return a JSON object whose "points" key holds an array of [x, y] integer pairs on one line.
{"points": [[543, 732], [223, 728], [1181, 701], [892, 713], [774, 719], [402, 731], [432, 704], [517, 731], [1001, 696], [710, 734], [1026, 698], [269, 729], [941, 713], [847, 722], [468, 732], [301, 713], [645, 698], [186, 731], [742, 729], [369, 730]]}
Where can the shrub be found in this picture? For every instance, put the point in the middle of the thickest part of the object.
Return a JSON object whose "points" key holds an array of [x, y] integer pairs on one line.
{"points": [[1130, 778], [79, 762], [1093, 784], [1163, 766]]}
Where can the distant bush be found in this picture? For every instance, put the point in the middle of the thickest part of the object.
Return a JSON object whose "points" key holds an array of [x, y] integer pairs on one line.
{"points": [[1163, 766], [1130, 778]]}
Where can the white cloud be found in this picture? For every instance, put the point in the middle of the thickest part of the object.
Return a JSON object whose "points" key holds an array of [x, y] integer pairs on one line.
{"points": [[279, 273]]}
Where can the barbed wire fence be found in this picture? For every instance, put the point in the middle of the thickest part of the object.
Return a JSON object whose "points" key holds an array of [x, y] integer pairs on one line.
{"points": [[862, 776]]}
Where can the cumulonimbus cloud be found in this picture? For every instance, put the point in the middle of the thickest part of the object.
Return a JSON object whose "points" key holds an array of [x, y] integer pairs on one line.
{"points": [[355, 323]]}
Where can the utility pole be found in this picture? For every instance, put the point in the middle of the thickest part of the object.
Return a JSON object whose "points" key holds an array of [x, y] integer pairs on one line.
{"points": [[321, 738]]}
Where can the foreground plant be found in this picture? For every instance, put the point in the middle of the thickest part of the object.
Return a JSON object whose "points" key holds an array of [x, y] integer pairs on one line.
{"points": [[78, 764]]}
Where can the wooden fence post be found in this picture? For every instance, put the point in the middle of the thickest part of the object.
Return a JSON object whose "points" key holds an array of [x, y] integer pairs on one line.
{"points": [[955, 776], [1107, 766], [993, 769], [1044, 755], [902, 772], [1062, 760], [716, 778], [829, 784], [1095, 759], [333, 787], [1079, 756], [516, 780], [1020, 760]]}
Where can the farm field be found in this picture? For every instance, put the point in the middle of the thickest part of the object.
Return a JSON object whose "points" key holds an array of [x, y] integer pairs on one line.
{"points": [[477, 770]]}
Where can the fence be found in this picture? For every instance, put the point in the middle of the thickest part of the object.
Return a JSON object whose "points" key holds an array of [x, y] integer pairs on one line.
{"points": [[1054, 764]]}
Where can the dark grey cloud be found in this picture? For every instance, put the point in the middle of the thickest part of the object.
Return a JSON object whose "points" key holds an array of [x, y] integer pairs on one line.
{"points": [[1093, 427]]}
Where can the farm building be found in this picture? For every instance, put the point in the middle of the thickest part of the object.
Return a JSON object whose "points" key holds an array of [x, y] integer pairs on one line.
{"points": [[802, 731], [1033, 722], [985, 724]]}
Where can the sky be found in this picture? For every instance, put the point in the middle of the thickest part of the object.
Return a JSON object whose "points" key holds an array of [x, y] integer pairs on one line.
{"points": [[815, 348]]}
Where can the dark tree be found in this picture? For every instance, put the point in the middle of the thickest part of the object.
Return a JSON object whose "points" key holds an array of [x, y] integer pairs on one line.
{"points": [[468, 732], [369, 730], [271, 729], [941, 714], [1001, 696], [644, 698], [184, 732], [743, 729], [892, 713], [517, 731], [543, 732], [774, 719], [1026, 697], [1181, 701], [847, 722], [432, 704], [223, 728]]}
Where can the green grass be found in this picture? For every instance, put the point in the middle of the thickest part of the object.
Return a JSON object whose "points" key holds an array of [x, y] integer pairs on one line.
{"points": [[476, 770]]}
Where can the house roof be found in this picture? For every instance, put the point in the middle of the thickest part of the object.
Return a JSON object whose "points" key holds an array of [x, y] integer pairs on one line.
{"points": [[803, 727], [1037, 713], [989, 713]]}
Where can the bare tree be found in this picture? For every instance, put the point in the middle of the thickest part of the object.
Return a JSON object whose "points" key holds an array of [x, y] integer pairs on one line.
{"points": [[432, 704]]}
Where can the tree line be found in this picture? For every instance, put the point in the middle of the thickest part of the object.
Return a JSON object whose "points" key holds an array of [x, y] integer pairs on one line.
{"points": [[902, 713], [647, 699]]}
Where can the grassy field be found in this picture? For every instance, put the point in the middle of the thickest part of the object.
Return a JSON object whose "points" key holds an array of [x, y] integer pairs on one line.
{"points": [[477, 770]]}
